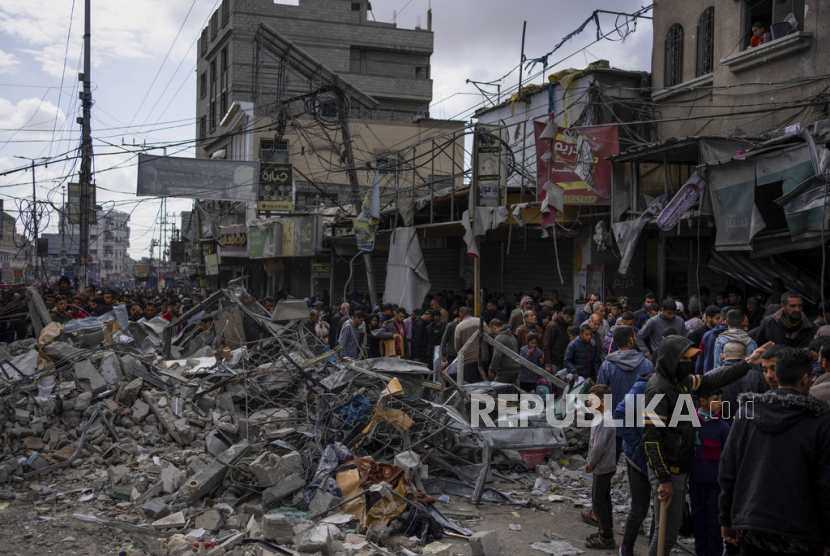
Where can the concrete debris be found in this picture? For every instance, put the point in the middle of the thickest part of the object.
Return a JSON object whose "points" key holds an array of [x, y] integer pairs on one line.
{"points": [[271, 440]]}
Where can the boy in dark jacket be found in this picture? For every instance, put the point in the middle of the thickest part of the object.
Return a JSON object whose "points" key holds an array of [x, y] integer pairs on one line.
{"points": [[703, 478], [531, 352], [773, 474], [582, 356], [668, 433], [602, 463], [637, 463]]}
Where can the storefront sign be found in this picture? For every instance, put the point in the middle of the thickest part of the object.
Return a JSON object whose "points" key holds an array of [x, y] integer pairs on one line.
{"points": [[301, 236], [576, 161], [212, 265], [140, 271], [276, 189], [233, 241], [320, 270], [265, 239], [491, 168]]}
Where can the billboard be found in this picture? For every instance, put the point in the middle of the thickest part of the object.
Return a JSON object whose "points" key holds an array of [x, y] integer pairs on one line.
{"points": [[276, 187], [177, 251], [576, 161], [264, 240], [197, 178], [140, 271]]}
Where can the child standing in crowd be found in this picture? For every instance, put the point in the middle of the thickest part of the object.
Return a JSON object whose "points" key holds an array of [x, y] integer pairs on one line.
{"points": [[532, 353], [602, 463], [703, 478]]}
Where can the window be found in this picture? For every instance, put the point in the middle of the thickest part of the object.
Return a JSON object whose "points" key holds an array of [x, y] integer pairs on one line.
{"points": [[224, 68], [223, 104], [203, 85], [225, 12], [203, 41], [422, 72], [212, 79], [383, 166], [705, 42], [212, 115], [768, 13], [214, 25], [273, 151], [673, 73], [355, 6], [203, 127]]}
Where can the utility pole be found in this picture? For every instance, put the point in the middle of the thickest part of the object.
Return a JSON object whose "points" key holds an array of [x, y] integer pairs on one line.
{"points": [[86, 152], [63, 224], [34, 224], [352, 173]]}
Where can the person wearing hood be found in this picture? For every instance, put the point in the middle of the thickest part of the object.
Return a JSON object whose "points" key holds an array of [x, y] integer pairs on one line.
{"points": [[773, 474], [651, 334], [503, 368], [788, 326], [622, 367], [735, 332], [518, 318], [636, 462], [669, 433], [753, 381], [556, 340], [706, 362]]}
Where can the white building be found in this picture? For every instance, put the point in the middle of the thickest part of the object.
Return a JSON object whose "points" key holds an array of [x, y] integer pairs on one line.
{"points": [[109, 240]]}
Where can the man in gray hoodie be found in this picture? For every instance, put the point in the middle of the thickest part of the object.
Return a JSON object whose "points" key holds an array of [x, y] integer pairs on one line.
{"points": [[621, 368], [502, 368], [736, 332], [651, 334]]}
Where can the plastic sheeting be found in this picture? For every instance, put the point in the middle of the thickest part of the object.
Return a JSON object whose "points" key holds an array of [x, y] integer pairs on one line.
{"points": [[407, 281]]}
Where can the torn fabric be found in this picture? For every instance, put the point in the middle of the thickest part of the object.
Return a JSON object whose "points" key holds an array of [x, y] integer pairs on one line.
{"points": [[407, 281]]}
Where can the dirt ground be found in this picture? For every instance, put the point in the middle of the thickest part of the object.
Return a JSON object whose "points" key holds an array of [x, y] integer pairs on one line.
{"points": [[42, 524]]}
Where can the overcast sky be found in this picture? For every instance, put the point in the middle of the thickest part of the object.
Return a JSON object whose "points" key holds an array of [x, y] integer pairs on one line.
{"points": [[132, 42]]}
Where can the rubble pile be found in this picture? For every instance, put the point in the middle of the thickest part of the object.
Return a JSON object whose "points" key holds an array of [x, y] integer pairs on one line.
{"points": [[252, 437]]}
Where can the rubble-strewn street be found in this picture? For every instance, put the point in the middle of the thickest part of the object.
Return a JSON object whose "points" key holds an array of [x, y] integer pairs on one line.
{"points": [[275, 447]]}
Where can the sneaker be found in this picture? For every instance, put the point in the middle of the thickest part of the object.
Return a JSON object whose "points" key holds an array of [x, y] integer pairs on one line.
{"points": [[625, 551]]}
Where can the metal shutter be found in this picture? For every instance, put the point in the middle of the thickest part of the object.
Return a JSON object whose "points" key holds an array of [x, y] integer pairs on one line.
{"points": [[444, 267]]}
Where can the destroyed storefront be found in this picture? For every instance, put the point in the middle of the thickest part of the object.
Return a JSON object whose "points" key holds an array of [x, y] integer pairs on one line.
{"points": [[709, 211]]}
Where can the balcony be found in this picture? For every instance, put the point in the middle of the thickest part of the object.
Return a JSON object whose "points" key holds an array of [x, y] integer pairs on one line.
{"points": [[767, 52]]}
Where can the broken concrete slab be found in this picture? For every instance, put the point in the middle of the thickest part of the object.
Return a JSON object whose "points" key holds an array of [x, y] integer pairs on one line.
{"points": [[275, 527], [174, 521], [292, 462], [485, 543], [89, 377], [206, 480], [156, 508], [438, 549], [110, 368], [172, 479], [211, 520], [130, 392], [322, 502], [267, 469], [140, 410], [282, 490], [316, 539]]}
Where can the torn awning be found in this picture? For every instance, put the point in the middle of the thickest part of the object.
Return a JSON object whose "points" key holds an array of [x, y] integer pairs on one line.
{"points": [[733, 186]]}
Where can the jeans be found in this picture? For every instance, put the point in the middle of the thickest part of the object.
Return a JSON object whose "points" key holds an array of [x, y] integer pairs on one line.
{"points": [[640, 488], [703, 500], [601, 498], [674, 516]]}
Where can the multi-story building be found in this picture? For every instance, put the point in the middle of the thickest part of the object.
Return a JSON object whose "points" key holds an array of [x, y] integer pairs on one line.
{"points": [[109, 241], [15, 250]]}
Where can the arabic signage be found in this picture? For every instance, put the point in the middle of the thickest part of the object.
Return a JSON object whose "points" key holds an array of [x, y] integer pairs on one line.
{"points": [[490, 169], [576, 161], [212, 265], [233, 241], [265, 241], [320, 271], [301, 236], [140, 271], [197, 178], [276, 187]]}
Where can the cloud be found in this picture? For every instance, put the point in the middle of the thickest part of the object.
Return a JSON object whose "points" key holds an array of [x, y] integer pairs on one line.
{"points": [[32, 119], [8, 62], [121, 31]]}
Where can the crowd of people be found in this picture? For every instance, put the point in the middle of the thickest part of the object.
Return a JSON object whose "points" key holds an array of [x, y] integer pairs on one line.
{"points": [[754, 372]]}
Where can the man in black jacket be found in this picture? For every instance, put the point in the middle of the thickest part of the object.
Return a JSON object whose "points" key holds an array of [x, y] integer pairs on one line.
{"points": [[774, 470], [420, 338], [789, 326], [669, 420]]}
